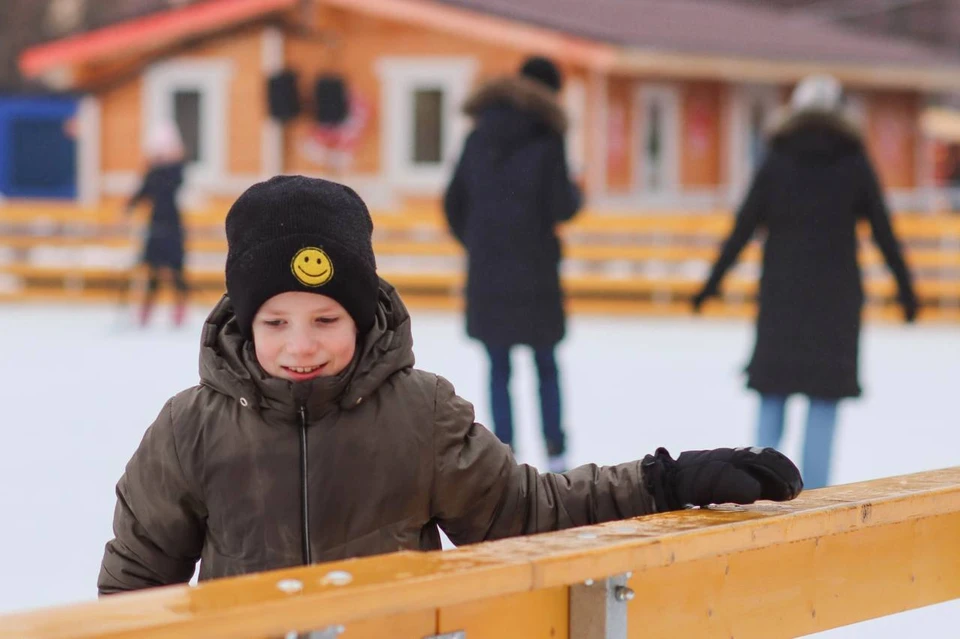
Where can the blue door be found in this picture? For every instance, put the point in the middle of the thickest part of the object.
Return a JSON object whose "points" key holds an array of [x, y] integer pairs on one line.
{"points": [[38, 158]]}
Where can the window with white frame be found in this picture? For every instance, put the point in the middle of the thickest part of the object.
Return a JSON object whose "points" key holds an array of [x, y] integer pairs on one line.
{"points": [[428, 125], [575, 104], [752, 109], [657, 139], [194, 95], [855, 107], [423, 126]]}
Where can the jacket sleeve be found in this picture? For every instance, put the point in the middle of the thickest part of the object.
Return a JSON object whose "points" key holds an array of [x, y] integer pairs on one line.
{"points": [[455, 199], [142, 192], [480, 493], [876, 212], [159, 521], [563, 196], [749, 217]]}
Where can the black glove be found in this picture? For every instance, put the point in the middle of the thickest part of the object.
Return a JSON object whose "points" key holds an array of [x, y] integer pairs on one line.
{"points": [[697, 301], [910, 307], [723, 475]]}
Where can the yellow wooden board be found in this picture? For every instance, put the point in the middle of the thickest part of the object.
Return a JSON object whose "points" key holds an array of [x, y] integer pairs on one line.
{"points": [[794, 589], [541, 614], [413, 625]]}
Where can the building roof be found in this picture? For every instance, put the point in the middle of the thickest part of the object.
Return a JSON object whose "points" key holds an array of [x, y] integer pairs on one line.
{"points": [[713, 27], [709, 39], [28, 23], [152, 29]]}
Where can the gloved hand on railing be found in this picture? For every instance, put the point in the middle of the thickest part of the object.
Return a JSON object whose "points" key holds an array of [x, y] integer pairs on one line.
{"points": [[722, 475], [696, 301], [910, 305]]}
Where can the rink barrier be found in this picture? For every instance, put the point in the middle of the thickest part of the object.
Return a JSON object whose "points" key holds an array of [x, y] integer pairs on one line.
{"points": [[832, 557], [647, 264]]}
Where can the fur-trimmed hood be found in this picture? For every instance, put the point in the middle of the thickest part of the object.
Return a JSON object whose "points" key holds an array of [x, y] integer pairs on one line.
{"points": [[789, 122], [816, 134], [521, 93]]}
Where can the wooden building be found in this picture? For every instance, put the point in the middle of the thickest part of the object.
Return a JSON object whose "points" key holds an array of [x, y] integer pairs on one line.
{"points": [[667, 100]]}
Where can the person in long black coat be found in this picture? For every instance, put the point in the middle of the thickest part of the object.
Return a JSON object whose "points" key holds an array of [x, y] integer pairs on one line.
{"points": [[815, 183], [510, 190], [163, 247]]}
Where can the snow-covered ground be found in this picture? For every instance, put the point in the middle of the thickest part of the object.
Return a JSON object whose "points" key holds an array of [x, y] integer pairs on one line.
{"points": [[79, 388]]}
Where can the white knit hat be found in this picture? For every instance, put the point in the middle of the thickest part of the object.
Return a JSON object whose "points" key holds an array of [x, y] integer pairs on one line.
{"points": [[817, 93], [164, 142]]}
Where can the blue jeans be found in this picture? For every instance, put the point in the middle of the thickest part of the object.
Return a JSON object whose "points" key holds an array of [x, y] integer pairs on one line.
{"points": [[500, 403], [818, 439]]}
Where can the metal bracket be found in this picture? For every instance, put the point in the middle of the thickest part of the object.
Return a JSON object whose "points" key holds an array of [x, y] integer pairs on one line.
{"points": [[459, 634], [598, 609], [330, 632]]}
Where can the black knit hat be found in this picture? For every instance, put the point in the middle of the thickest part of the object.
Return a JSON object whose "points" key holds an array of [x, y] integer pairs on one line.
{"points": [[544, 71], [294, 233]]}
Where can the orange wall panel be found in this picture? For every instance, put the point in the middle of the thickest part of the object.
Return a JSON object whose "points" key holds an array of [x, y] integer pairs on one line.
{"points": [[892, 138], [725, 106], [120, 125], [700, 136], [621, 114]]}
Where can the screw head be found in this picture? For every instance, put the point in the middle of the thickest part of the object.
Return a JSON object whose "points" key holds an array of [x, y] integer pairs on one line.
{"points": [[290, 586], [337, 578], [623, 593]]}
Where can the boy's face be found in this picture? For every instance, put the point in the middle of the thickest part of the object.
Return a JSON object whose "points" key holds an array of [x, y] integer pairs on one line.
{"points": [[299, 336]]}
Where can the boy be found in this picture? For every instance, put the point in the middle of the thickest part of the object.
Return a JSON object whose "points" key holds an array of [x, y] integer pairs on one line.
{"points": [[311, 437]]}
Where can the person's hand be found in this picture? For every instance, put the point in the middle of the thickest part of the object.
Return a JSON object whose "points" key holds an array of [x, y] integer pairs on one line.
{"points": [[722, 475], [910, 307], [696, 302]]}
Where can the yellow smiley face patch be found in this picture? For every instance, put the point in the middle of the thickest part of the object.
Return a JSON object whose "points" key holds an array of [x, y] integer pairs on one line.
{"points": [[312, 267]]}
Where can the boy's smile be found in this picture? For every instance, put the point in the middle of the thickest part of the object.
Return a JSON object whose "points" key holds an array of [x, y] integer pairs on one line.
{"points": [[303, 373]]}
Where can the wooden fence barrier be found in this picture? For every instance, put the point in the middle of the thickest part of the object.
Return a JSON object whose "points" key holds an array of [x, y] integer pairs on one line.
{"points": [[832, 557], [614, 264]]}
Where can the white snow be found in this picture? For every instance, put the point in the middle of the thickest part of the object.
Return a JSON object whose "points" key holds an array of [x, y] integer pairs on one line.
{"points": [[79, 388]]}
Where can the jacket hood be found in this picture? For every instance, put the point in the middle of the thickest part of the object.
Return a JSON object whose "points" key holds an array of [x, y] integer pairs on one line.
{"points": [[228, 363], [521, 94], [816, 134]]}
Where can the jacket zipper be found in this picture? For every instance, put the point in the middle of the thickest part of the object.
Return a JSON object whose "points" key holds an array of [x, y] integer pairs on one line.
{"points": [[304, 497]]}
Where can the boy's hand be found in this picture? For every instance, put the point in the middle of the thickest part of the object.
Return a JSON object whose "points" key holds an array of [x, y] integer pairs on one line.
{"points": [[723, 475]]}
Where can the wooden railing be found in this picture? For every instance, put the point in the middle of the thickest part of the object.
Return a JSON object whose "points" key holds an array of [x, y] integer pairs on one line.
{"points": [[832, 557], [649, 264]]}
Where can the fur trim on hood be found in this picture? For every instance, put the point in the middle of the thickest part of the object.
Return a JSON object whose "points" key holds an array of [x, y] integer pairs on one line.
{"points": [[789, 121], [524, 94]]}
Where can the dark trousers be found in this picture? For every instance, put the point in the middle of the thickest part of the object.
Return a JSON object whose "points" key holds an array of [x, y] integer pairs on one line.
{"points": [[153, 283], [500, 403]]}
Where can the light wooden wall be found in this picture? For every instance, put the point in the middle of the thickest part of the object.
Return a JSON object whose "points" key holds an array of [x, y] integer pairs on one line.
{"points": [[360, 41], [120, 127], [122, 105]]}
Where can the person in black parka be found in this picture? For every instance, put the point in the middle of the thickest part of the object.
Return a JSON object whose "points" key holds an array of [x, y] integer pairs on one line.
{"points": [[811, 189], [163, 247], [510, 190]]}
